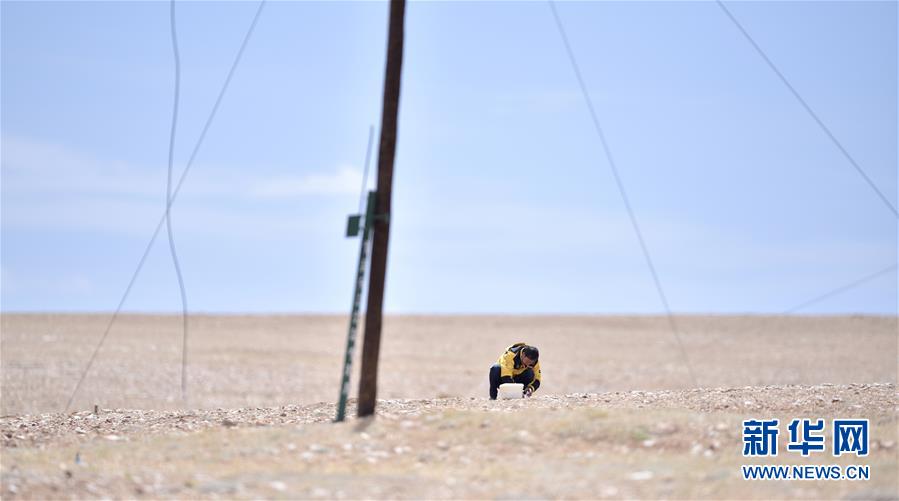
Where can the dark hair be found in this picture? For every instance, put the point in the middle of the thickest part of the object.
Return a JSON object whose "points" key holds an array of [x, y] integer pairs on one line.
{"points": [[532, 352]]}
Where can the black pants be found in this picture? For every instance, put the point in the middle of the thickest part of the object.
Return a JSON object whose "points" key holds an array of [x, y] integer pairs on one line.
{"points": [[525, 378]]}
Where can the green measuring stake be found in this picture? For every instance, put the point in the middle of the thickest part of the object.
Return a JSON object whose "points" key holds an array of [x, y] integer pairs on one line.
{"points": [[352, 231]]}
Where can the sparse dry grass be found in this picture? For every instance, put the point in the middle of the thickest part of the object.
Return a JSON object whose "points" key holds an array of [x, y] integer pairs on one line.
{"points": [[582, 437], [241, 361], [553, 447]]}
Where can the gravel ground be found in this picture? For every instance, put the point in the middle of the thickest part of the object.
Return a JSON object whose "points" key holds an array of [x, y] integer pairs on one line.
{"points": [[641, 444], [115, 424], [615, 417], [265, 361]]}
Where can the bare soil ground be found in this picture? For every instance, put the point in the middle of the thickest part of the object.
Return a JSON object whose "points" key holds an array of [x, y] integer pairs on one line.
{"points": [[615, 418]]}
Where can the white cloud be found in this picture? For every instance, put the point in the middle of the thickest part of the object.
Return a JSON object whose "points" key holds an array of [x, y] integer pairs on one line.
{"points": [[41, 168], [70, 283], [32, 166], [675, 244], [49, 186], [543, 101], [7, 284], [346, 180]]}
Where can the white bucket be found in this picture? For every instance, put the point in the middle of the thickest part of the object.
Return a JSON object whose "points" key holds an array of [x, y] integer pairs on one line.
{"points": [[511, 390]]}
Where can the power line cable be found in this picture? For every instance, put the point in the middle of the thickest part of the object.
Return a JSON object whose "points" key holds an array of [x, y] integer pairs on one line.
{"points": [[633, 218], [168, 205], [169, 202], [778, 322], [829, 294], [362, 194], [840, 290], [809, 109]]}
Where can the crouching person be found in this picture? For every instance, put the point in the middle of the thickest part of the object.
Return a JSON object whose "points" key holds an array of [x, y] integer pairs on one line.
{"points": [[517, 365]]}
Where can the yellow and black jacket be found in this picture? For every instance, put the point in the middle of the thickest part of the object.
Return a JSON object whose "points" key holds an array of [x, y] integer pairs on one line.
{"points": [[510, 365]]}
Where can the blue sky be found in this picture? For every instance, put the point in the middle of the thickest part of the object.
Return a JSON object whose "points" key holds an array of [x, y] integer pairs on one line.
{"points": [[503, 200]]}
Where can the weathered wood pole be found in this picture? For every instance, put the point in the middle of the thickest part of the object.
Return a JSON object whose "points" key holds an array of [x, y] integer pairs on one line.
{"points": [[371, 347]]}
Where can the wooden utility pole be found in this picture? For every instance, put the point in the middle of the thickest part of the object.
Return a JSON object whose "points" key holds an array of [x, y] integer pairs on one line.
{"points": [[371, 347]]}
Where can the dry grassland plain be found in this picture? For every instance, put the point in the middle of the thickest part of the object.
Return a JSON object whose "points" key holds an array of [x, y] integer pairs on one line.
{"points": [[617, 415]]}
